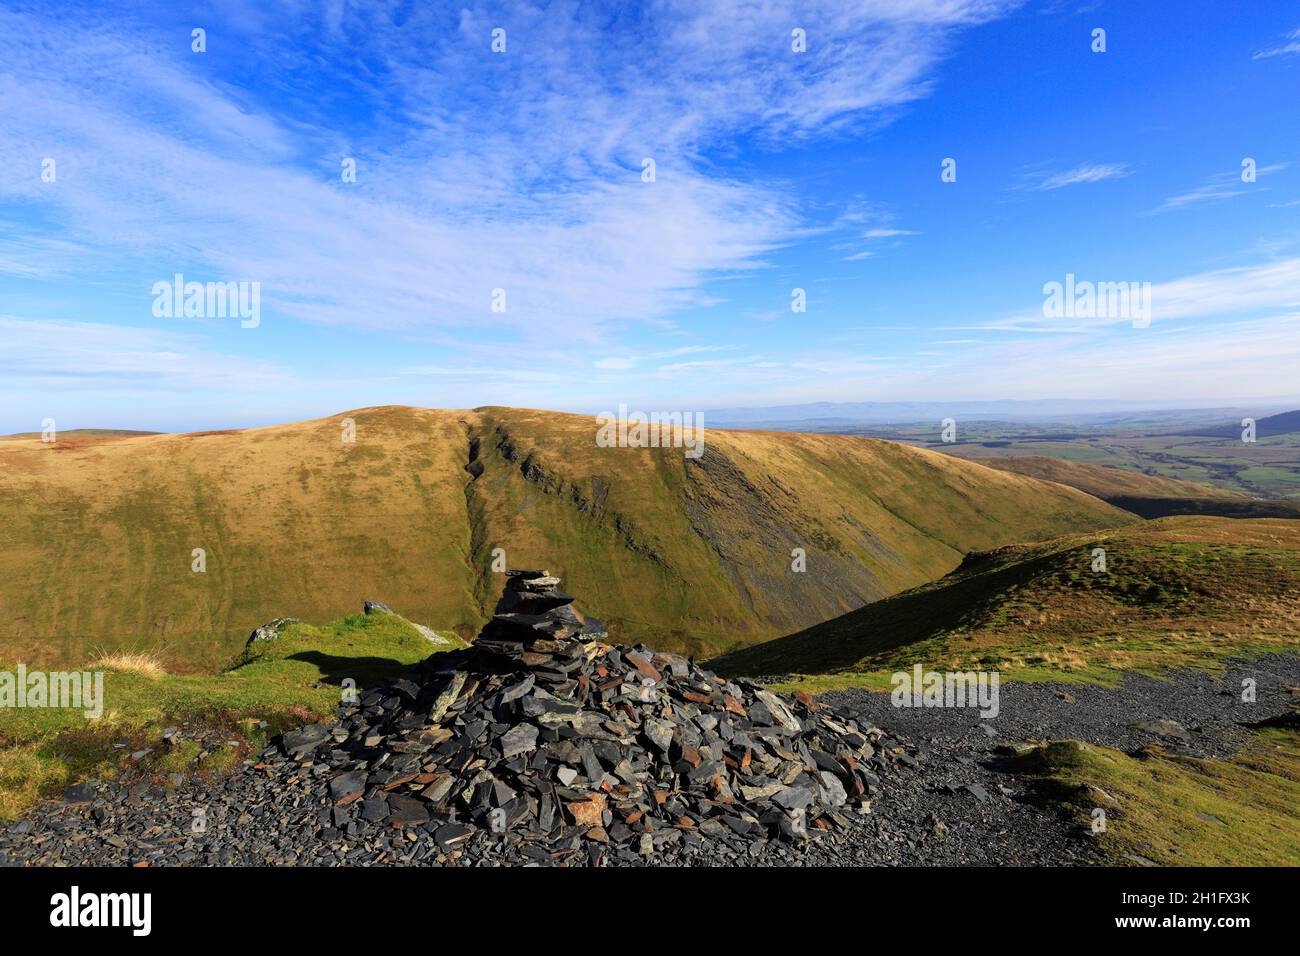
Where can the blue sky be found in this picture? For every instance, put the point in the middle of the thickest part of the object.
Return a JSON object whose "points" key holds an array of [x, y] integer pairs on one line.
{"points": [[522, 171]]}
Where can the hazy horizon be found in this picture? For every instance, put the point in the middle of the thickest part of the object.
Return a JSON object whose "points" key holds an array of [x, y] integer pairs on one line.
{"points": [[1025, 411]]}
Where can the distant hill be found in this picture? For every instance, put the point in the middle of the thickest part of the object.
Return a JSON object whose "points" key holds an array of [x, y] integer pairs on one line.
{"points": [[1180, 590], [1284, 424], [692, 555], [829, 414], [81, 433], [1150, 496]]}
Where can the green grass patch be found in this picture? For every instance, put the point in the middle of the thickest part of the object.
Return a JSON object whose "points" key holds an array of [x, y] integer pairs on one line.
{"points": [[823, 683], [180, 758], [273, 685], [881, 680], [1183, 811]]}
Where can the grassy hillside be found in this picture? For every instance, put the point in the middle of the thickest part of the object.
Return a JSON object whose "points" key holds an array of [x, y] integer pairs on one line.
{"points": [[1150, 496], [1176, 810], [1177, 591], [96, 537], [84, 434]]}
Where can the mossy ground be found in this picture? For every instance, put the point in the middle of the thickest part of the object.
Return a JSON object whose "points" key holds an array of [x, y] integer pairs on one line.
{"points": [[273, 685], [1182, 811]]}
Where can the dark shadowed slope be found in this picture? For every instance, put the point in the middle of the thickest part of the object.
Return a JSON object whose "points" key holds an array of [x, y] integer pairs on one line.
{"points": [[1175, 591]]}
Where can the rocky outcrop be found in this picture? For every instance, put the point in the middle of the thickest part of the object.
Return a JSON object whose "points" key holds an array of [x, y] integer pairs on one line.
{"points": [[546, 737], [428, 633], [270, 630]]}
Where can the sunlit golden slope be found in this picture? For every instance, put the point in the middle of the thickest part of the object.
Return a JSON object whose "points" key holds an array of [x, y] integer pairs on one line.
{"points": [[97, 534], [1151, 496]]}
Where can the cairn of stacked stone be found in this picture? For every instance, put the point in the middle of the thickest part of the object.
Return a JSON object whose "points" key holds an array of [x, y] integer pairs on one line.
{"points": [[544, 742]]}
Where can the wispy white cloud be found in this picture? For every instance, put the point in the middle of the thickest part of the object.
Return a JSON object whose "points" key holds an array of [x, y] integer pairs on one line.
{"points": [[879, 222], [1286, 49], [53, 353], [1269, 287], [633, 360], [1086, 173], [888, 233], [1221, 186], [615, 362], [528, 181]]}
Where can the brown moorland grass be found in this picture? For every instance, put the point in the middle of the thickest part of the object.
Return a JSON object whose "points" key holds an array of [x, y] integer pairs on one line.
{"points": [[132, 662], [1150, 496], [97, 539], [1104, 481]]}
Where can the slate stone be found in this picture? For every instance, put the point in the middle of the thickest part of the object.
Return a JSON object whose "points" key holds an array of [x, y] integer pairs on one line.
{"points": [[301, 742], [452, 835], [270, 630], [407, 811], [978, 792], [832, 791], [374, 809], [518, 689], [659, 733], [347, 787], [519, 739], [79, 793], [1163, 728], [794, 798]]}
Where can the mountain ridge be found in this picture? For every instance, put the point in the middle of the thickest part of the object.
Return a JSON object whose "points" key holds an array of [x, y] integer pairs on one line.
{"points": [[694, 554]]}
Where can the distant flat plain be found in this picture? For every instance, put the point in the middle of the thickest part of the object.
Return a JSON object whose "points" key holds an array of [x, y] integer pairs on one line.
{"points": [[1269, 467]]}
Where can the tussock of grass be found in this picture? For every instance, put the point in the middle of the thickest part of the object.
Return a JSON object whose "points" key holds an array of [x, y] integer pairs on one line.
{"points": [[223, 759], [179, 758], [132, 662], [26, 774], [1183, 811]]}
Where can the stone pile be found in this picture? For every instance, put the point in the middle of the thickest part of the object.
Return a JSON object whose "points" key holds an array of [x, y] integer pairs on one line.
{"points": [[543, 742]]}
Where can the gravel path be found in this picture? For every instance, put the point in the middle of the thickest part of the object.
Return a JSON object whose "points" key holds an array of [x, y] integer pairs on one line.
{"points": [[945, 798]]}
